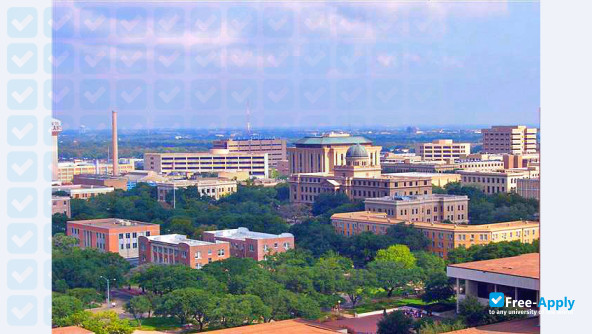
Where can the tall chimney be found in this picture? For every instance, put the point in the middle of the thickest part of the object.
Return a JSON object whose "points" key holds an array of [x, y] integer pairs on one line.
{"points": [[114, 140]]}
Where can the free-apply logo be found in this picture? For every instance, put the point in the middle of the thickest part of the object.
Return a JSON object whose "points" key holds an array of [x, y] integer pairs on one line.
{"points": [[497, 299]]}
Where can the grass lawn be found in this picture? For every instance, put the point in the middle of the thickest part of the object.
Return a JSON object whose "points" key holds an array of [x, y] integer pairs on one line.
{"points": [[159, 324]]}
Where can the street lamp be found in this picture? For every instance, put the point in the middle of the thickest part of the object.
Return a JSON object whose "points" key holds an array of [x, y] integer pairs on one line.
{"points": [[108, 296]]}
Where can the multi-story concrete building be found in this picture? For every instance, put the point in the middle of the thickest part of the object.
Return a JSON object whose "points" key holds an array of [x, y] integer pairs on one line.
{"points": [[443, 237], [61, 204], [518, 277], [111, 234], [116, 182], [509, 139], [178, 249], [79, 191], [212, 187], [248, 244], [322, 154], [67, 170], [441, 166], [503, 181], [422, 208], [275, 148], [529, 188], [442, 149], [207, 162]]}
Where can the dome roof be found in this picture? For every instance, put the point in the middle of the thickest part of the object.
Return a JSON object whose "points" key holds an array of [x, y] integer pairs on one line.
{"points": [[356, 151]]}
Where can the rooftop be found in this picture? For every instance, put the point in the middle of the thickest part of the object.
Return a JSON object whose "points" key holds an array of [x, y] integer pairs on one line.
{"points": [[70, 330], [518, 326], [408, 198], [526, 265], [333, 139], [293, 326], [110, 222], [99, 177], [382, 218], [421, 174], [243, 233], [196, 182], [177, 239]]}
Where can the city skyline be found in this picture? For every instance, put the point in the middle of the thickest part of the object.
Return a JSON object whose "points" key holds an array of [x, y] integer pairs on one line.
{"points": [[297, 65]]}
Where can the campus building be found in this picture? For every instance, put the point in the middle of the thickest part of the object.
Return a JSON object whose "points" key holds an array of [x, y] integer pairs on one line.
{"points": [[517, 277], [67, 170], [442, 166], [422, 208], [275, 148], [502, 181], [443, 237], [438, 179], [321, 154], [111, 234], [249, 244], [211, 187], [359, 178], [529, 188], [178, 249], [517, 139], [116, 182], [214, 161], [79, 191], [61, 204], [442, 149]]}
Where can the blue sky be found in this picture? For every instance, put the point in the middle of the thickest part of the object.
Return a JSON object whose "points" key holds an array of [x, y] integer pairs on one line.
{"points": [[197, 65]]}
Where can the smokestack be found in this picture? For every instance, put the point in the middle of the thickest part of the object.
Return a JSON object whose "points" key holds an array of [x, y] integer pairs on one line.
{"points": [[114, 140]]}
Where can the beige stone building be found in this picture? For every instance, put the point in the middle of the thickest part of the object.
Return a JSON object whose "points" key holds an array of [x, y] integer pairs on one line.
{"points": [[216, 160], [443, 237], [438, 179], [529, 188], [517, 139], [422, 208], [78, 191], [441, 166], [275, 148], [503, 181], [359, 178], [61, 204], [322, 154], [211, 187], [442, 149]]}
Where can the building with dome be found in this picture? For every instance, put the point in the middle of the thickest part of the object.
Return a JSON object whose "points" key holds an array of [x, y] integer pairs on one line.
{"points": [[353, 170]]}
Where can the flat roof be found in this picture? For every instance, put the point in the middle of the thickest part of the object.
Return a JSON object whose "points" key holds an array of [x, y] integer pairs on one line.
{"points": [[382, 218], [99, 176], [517, 326], [333, 140], [416, 197], [70, 330], [293, 326], [179, 238], [207, 154], [243, 233], [110, 222], [526, 265], [423, 174]]}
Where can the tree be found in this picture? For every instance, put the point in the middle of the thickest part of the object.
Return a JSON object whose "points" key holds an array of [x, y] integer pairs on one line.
{"points": [[328, 201], [137, 306], [429, 263], [58, 223], [441, 327], [408, 235], [472, 312], [494, 250], [437, 288], [106, 322], [356, 284], [63, 243], [392, 275], [63, 307], [87, 296], [238, 310], [395, 323], [189, 303], [397, 253]]}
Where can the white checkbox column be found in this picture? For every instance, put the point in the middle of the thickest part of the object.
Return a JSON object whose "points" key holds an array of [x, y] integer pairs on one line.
{"points": [[25, 199]]}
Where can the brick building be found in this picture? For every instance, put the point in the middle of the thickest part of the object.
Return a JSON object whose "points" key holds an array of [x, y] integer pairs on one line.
{"points": [[256, 245], [61, 204], [111, 234], [178, 249]]}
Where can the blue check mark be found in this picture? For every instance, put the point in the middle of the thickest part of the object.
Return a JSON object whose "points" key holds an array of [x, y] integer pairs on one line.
{"points": [[496, 299]]}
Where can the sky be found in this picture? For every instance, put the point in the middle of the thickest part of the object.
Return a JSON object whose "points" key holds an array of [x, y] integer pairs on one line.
{"points": [[320, 64]]}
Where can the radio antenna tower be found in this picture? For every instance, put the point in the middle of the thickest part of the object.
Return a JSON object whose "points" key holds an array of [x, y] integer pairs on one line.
{"points": [[249, 118]]}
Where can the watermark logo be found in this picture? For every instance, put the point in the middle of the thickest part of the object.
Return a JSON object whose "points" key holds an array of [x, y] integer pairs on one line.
{"points": [[497, 299]]}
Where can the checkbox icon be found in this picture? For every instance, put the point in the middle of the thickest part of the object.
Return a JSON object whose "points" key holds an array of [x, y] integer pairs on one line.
{"points": [[496, 299], [22, 94], [21, 274], [22, 22], [21, 130], [21, 310], [21, 238], [22, 166], [22, 203], [22, 58]]}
